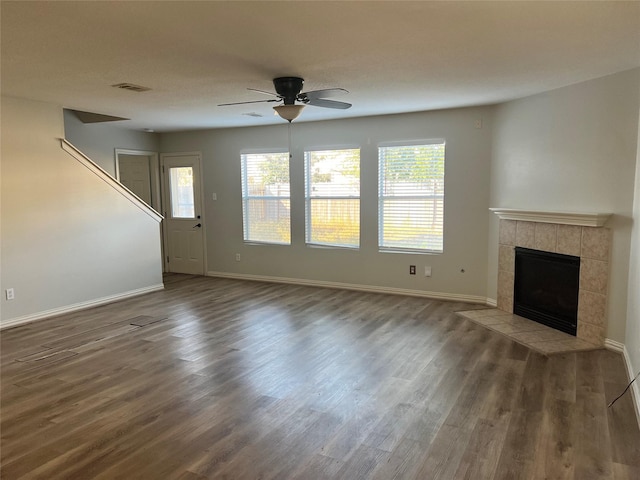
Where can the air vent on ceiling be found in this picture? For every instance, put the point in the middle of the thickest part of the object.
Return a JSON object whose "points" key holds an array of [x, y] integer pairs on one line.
{"points": [[131, 87]]}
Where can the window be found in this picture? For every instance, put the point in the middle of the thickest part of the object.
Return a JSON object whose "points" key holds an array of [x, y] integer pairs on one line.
{"points": [[265, 198], [332, 193], [181, 191], [411, 197]]}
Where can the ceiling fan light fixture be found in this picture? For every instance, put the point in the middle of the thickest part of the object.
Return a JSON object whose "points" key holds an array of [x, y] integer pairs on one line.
{"points": [[289, 112]]}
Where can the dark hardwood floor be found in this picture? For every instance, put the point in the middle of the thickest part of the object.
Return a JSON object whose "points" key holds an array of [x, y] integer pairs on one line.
{"points": [[217, 378]]}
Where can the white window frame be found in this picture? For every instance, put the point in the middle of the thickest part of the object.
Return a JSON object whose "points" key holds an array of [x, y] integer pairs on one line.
{"points": [[381, 197], [246, 227], [308, 197]]}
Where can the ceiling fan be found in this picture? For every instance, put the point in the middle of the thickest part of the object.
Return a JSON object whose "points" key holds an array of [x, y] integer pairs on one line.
{"points": [[289, 91]]}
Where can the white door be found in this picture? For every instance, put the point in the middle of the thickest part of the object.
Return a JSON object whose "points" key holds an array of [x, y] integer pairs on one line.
{"points": [[183, 213], [135, 174]]}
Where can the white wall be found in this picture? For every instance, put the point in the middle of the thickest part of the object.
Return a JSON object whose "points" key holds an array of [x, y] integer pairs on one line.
{"points": [[632, 336], [573, 149], [67, 237], [98, 141], [466, 201]]}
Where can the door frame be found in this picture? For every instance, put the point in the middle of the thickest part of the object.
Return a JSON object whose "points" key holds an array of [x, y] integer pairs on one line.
{"points": [[155, 183], [163, 183], [154, 170]]}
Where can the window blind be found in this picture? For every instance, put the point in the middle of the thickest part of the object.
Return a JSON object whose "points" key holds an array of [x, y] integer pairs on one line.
{"points": [[265, 198], [332, 196], [411, 197]]}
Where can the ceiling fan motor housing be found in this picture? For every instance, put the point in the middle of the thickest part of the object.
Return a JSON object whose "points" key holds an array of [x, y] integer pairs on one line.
{"points": [[288, 88]]}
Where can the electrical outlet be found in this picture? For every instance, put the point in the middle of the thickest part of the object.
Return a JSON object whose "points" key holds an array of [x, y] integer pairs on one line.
{"points": [[10, 293], [412, 269], [427, 271], [237, 257]]}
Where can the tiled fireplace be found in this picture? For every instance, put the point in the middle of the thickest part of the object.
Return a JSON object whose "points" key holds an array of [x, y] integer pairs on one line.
{"points": [[582, 236]]}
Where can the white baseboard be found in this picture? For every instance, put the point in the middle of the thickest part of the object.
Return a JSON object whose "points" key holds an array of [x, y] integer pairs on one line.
{"points": [[635, 387], [613, 345], [14, 322], [492, 302], [453, 297]]}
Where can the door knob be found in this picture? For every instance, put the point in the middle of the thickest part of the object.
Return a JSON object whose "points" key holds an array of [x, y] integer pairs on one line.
{"points": [[198, 225]]}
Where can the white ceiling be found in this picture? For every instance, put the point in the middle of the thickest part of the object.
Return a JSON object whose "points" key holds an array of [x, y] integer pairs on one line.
{"points": [[392, 56]]}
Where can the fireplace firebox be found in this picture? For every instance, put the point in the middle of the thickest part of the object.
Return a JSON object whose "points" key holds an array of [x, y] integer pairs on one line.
{"points": [[546, 288]]}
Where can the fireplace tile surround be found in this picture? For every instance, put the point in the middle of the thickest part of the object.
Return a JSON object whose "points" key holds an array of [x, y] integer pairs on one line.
{"points": [[591, 243]]}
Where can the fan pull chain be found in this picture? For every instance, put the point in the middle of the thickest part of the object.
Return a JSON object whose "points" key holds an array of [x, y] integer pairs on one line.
{"points": [[290, 154]]}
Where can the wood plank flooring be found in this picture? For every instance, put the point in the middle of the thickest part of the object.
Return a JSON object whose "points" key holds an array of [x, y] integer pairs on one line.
{"points": [[225, 379]]}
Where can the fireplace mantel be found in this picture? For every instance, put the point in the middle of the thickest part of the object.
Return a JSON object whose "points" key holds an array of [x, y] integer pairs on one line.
{"points": [[563, 218]]}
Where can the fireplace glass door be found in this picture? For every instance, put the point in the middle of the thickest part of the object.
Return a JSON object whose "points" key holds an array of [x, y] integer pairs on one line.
{"points": [[546, 288]]}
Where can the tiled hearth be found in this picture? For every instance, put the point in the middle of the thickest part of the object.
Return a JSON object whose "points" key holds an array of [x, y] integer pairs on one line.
{"points": [[537, 336], [580, 235]]}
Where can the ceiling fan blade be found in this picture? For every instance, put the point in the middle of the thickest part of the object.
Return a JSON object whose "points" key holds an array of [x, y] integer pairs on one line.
{"points": [[242, 103], [264, 92], [320, 102], [326, 93]]}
